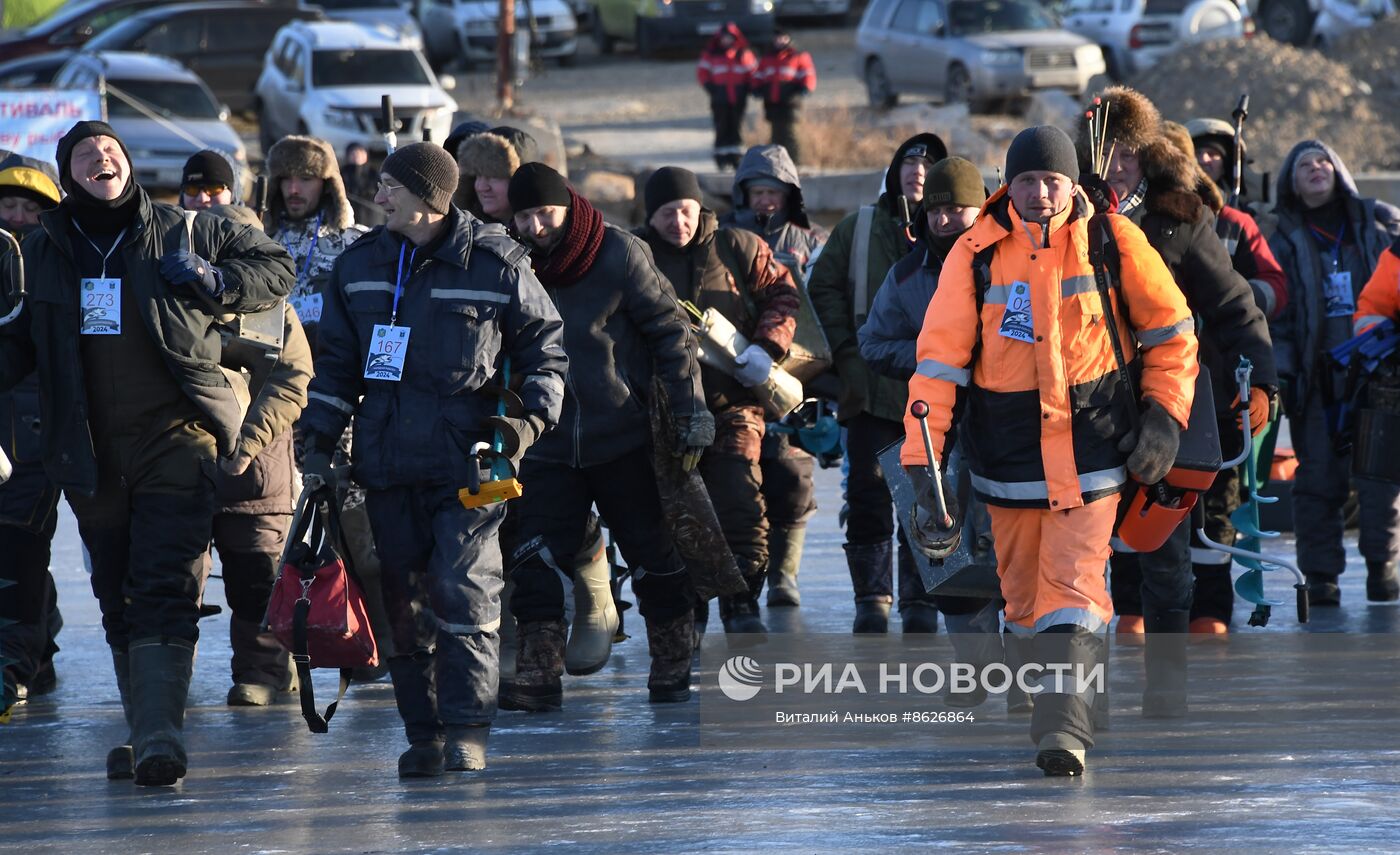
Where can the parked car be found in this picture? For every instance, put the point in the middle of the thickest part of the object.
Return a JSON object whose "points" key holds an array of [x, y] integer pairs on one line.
{"points": [[971, 51], [466, 29], [390, 14], [71, 26], [1318, 22], [326, 79], [162, 111], [653, 25], [1134, 34], [223, 42], [32, 72], [833, 9]]}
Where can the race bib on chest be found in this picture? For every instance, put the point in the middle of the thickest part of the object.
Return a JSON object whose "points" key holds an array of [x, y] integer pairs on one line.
{"points": [[308, 308], [388, 346], [102, 306], [1336, 293], [1016, 320]]}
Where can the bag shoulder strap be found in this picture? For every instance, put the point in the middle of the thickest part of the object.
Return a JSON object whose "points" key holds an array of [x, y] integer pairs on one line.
{"points": [[323, 519], [1103, 257], [859, 272]]}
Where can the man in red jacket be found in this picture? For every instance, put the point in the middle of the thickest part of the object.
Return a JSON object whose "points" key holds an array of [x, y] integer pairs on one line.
{"points": [[725, 72], [785, 76]]}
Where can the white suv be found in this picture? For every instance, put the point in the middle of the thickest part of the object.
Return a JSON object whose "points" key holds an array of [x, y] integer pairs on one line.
{"points": [[325, 79], [1134, 34]]}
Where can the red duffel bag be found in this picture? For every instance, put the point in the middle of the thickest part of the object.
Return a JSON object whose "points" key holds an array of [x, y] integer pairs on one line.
{"points": [[317, 610]]}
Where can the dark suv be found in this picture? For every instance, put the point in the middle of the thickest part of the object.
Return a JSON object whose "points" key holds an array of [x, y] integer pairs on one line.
{"points": [[222, 42], [71, 26]]}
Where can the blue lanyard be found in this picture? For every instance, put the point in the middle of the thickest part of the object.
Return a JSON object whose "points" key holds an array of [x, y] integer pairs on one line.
{"points": [[310, 253], [1320, 235], [398, 281]]}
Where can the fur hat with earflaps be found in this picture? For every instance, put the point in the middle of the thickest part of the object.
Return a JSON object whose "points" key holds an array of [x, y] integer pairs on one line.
{"points": [[486, 155], [1132, 122], [307, 157], [1205, 188]]}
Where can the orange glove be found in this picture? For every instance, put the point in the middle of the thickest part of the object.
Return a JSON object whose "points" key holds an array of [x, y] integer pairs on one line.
{"points": [[1258, 411]]}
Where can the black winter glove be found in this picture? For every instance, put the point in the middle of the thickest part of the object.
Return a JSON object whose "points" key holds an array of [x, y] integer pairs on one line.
{"points": [[694, 434], [936, 538], [517, 435], [1152, 451], [186, 269]]}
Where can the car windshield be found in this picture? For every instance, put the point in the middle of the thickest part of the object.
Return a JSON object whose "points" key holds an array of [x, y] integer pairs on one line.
{"points": [[126, 99], [367, 68], [973, 17], [117, 35]]}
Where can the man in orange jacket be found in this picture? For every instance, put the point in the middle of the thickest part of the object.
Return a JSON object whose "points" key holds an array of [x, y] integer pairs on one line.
{"points": [[1049, 441], [1380, 299]]}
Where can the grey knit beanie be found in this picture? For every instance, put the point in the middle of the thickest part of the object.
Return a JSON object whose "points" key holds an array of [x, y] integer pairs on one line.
{"points": [[427, 170]]}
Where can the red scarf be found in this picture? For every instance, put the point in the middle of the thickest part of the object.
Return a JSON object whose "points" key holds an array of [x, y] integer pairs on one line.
{"points": [[575, 254]]}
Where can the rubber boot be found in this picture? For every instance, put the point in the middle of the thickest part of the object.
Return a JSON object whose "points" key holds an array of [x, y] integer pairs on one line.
{"points": [[1060, 755], [1382, 582], [160, 685], [919, 618], [1165, 660], [121, 761], [595, 617], [871, 568], [1323, 590], [417, 702], [262, 669], [465, 750], [784, 556], [740, 616], [539, 668], [1018, 650], [1214, 596], [670, 646]]}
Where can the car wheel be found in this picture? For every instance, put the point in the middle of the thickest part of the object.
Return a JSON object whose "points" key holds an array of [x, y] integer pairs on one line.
{"points": [[606, 43], [958, 89], [877, 85], [1286, 20], [646, 43]]}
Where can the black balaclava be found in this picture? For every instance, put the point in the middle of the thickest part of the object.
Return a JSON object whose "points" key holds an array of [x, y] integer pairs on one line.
{"points": [[94, 215]]}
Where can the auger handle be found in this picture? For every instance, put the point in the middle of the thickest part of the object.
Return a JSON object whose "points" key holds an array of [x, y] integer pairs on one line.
{"points": [[920, 411]]}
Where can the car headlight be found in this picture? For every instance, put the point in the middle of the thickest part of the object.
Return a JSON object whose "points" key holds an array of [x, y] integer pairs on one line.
{"points": [[1001, 57], [338, 118], [760, 7]]}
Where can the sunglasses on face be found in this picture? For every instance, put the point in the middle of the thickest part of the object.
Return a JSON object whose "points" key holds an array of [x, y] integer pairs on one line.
{"points": [[193, 190]]}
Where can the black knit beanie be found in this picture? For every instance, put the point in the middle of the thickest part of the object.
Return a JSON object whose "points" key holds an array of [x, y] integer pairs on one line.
{"points": [[208, 167], [535, 185], [1045, 148], [668, 184], [94, 215], [427, 170]]}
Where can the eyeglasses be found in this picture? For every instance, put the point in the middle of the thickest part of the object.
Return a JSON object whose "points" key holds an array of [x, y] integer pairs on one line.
{"points": [[195, 189], [388, 189]]}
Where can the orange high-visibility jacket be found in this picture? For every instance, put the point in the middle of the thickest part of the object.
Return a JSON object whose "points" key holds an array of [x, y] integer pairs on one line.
{"points": [[1044, 418], [1380, 299]]}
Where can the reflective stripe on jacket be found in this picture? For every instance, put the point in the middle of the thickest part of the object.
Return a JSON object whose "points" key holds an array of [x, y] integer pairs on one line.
{"points": [[1045, 416]]}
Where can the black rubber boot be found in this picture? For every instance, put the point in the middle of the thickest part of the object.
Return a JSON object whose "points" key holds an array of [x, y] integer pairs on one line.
{"points": [[1324, 591], [872, 579], [1382, 582], [121, 762], [872, 617], [784, 557], [160, 685], [465, 750], [919, 618], [423, 759], [1165, 659]]}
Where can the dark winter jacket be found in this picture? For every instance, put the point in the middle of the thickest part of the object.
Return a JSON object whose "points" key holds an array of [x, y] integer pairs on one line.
{"points": [[889, 337], [256, 273], [735, 273], [469, 305], [789, 233], [1301, 333], [621, 325]]}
